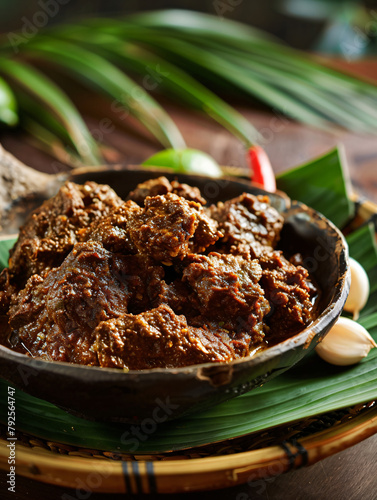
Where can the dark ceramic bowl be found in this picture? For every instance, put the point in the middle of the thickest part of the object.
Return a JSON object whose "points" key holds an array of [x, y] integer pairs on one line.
{"points": [[111, 394]]}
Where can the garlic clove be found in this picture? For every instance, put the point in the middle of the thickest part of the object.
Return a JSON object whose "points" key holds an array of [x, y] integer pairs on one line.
{"points": [[359, 291], [346, 343]]}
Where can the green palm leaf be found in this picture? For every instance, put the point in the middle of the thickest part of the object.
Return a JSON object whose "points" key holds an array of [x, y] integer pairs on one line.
{"points": [[189, 48], [215, 67], [318, 87], [46, 140], [32, 109], [40, 87], [159, 73], [251, 49], [243, 39], [56, 100], [101, 75], [199, 25]]}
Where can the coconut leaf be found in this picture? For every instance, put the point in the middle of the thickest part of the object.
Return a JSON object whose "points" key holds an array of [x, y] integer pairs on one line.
{"points": [[42, 138], [192, 49], [41, 116], [158, 73], [289, 70], [243, 39], [200, 25], [93, 70], [48, 93], [216, 68]]}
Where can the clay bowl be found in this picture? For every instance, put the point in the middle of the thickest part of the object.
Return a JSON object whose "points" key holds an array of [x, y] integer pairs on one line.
{"points": [[113, 395]]}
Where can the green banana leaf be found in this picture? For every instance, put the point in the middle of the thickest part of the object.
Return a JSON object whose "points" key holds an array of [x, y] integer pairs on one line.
{"points": [[5, 245], [309, 388], [323, 184]]}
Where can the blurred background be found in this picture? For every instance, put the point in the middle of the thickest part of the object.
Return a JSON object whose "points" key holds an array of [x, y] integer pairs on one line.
{"points": [[347, 28], [72, 97]]}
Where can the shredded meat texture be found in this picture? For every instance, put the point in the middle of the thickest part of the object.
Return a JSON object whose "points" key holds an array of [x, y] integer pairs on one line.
{"points": [[157, 281], [55, 317], [227, 292], [7, 291], [290, 293], [161, 186], [249, 224], [190, 193], [169, 227], [54, 228], [158, 339], [113, 230]]}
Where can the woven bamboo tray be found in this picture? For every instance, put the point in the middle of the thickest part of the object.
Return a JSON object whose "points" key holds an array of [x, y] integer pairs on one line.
{"points": [[212, 467], [268, 453]]}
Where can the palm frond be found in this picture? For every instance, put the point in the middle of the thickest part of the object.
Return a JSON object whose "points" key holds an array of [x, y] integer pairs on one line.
{"points": [[255, 51], [47, 92], [99, 74], [157, 72], [197, 56], [43, 139]]}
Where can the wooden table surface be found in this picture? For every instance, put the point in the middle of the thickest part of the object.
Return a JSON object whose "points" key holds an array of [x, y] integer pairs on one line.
{"points": [[348, 475]]}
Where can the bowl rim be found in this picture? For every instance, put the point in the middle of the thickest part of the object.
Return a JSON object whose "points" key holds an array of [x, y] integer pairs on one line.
{"points": [[305, 336]]}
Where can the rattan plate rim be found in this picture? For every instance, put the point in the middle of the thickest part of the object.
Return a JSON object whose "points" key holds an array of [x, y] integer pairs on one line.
{"points": [[172, 475]]}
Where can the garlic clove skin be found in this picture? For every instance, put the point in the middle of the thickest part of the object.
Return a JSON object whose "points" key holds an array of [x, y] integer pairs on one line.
{"points": [[359, 291], [347, 343]]}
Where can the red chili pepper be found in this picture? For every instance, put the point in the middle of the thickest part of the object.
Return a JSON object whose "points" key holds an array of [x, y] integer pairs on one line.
{"points": [[260, 165]]}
